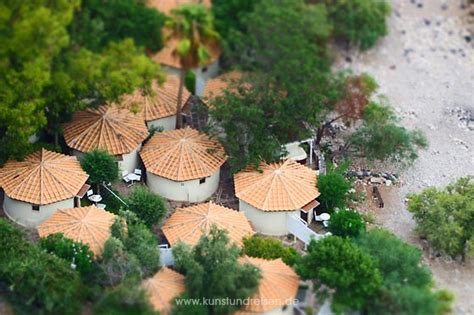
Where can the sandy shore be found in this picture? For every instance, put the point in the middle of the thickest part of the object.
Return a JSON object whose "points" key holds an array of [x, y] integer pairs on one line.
{"points": [[425, 67]]}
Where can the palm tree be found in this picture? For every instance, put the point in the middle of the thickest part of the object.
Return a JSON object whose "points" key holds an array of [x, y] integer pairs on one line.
{"points": [[192, 25]]}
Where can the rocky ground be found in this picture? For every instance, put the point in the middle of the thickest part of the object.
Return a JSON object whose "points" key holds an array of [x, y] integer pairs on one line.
{"points": [[425, 67]]}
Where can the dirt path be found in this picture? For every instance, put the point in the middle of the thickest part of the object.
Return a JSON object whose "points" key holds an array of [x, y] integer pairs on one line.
{"points": [[426, 69]]}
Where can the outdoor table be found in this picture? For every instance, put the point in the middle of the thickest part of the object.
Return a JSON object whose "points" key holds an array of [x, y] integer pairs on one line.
{"points": [[325, 216], [134, 177], [95, 198]]}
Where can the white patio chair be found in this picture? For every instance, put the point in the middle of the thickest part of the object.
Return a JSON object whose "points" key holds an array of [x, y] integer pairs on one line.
{"points": [[326, 224], [101, 206], [125, 173], [90, 192], [137, 171], [318, 218]]}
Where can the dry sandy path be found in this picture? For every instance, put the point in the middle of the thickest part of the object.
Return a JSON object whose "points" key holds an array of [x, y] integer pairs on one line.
{"points": [[425, 67]]}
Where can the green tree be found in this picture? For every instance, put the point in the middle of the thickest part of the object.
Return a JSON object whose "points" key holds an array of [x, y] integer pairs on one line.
{"points": [[381, 137], [192, 25], [99, 22], [270, 248], [142, 243], [334, 188], [72, 252], [360, 22], [446, 217], [37, 282], [346, 223], [148, 206], [125, 299], [336, 263], [33, 33], [101, 167], [407, 283], [212, 271]]}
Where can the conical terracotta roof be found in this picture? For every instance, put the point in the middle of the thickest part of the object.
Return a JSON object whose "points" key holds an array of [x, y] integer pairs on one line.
{"points": [[215, 87], [182, 154], [161, 103], [165, 6], [116, 130], [278, 285], [89, 225], [189, 224], [42, 178], [280, 186], [162, 288]]}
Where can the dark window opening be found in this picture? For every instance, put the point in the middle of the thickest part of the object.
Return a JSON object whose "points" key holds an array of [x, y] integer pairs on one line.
{"points": [[35, 208], [204, 70], [202, 180]]}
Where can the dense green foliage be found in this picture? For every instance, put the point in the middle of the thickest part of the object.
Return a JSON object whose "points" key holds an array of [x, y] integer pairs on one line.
{"points": [[381, 137], [99, 22], [360, 22], [101, 166], [37, 282], [446, 217], [334, 188], [32, 35], [46, 74], [125, 299], [346, 223], [269, 248], [72, 252], [212, 271], [148, 206], [336, 263], [407, 284]]}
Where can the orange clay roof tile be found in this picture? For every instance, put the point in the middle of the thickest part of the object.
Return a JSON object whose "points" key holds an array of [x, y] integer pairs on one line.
{"points": [[278, 285], [182, 154], [116, 130], [89, 225], [161, 103], [281, 186], [189, 224], [215, 87], [162, 288], [44, 177]]}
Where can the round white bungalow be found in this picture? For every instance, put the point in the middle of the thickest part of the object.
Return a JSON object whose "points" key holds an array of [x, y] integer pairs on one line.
{"points": [[183, 164], [158, 108], [117, 131], [276, 291], [167, 56], [41, 184], [190, 223], [268, 195]]}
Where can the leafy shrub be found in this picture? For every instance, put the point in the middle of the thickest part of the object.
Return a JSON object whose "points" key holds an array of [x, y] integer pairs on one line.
{"points": [[269, 248], [361, 22], [334, 188], [125, 299], [141, 242], [36, 280], [101, 166], [445, 217], [148, 206], [70, 251], [346, 223]]}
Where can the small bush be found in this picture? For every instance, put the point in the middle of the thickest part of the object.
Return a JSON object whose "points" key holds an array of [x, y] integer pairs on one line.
{"points": [[101, 166], [334, 189], [70, 251], [258, 246], [346, 223], [148, 206]]}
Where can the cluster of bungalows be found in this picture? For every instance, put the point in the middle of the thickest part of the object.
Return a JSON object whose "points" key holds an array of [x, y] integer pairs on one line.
{"points": [[44, 190]]}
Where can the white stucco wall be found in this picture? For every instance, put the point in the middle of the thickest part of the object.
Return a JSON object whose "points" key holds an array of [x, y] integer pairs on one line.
{"points": [[167, 123], [190, 191], [267, 222], [129, 160], [23, 214], [212, 70]]}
